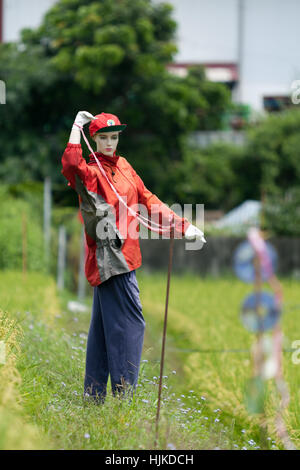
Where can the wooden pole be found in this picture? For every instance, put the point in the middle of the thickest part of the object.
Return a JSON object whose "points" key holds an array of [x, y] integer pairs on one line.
{"points": [[164, 331], [61, 262], [47, 219], [259, 353], [81, 274]]}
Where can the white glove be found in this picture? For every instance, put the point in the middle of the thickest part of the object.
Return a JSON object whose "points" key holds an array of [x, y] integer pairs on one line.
{"points": [[82, 118], [193, 232]]}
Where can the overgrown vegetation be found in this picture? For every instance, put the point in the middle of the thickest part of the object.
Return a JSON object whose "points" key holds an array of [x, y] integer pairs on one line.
{"points": [[202, 392], [15, 430], [21, 238]]}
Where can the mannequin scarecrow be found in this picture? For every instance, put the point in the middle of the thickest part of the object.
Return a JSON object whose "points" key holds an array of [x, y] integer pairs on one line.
{"points": [[116, 333]]}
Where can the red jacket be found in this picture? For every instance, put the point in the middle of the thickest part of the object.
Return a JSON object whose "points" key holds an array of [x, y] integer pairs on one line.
{"points": [[116, 251]]}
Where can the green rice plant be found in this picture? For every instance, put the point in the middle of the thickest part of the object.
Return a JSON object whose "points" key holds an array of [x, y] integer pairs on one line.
{"points": [[214, 349], [208, 362], [15, 430]]}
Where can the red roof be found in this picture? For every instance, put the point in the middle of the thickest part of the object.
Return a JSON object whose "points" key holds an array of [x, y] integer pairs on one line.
{"points": [[231, 69]]}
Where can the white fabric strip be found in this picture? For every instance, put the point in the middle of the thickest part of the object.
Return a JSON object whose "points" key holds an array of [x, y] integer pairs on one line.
{"points": [[145, 222]]}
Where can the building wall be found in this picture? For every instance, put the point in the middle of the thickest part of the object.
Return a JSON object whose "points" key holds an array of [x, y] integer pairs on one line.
{"points": [[18, 14], [208, 32], [271, 52]]}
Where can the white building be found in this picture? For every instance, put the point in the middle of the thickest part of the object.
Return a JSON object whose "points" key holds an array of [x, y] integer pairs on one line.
{"points": [[252, 45], [18, 14]]}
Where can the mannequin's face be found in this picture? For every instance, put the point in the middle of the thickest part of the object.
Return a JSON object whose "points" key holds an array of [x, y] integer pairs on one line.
{"points": [[107, 142]]}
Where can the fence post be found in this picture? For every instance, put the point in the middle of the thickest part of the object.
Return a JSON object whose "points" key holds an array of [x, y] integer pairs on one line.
{"points": [[81, 273], [61, 261], [47, 219]]}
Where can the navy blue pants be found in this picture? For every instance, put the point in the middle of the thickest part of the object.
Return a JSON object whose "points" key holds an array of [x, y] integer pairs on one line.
{"points": [[116, 335]]}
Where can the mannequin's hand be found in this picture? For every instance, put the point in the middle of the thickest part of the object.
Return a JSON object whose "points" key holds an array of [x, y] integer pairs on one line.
{"points": [[193, 232], [83, 117]]}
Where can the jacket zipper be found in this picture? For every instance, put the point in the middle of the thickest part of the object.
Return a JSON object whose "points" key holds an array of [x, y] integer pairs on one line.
{"points": [[112, 175]]}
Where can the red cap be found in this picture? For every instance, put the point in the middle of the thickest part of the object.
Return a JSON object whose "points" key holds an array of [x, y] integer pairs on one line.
{"points": [[105, 123]]}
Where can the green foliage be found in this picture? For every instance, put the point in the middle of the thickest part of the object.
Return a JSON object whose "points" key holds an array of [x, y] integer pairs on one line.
{"points": [[196, 413], [67, 216], [273, 151], [282, 212], [15, 431], [21, 234], [101, 56], [28, 146], [22, 212], [210, 176], [223, 175], [216, 100], [272, 165], [255, 395], [215, 349]]}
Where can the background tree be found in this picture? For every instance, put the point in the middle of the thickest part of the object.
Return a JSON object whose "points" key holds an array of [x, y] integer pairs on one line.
{"points": [[103, 56], [274, 150], [272, 159], [210, 176]]}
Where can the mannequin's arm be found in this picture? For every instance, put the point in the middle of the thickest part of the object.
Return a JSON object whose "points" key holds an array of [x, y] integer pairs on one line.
{"points": [[75, 135]]}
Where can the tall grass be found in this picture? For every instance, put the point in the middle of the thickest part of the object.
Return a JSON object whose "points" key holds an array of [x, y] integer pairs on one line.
{"points": [[202, 402], [15, 430], [214, 348]]}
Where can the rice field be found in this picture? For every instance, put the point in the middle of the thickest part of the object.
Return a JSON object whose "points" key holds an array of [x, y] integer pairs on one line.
{"points": [[208, 361], [213, 348]]}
